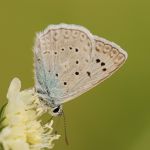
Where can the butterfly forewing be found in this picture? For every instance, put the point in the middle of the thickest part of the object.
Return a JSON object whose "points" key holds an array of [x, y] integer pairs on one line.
{"points": [[65, 53]]}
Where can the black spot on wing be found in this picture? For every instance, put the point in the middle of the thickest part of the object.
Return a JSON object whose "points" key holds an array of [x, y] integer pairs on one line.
{"points": [[104, 69], [76, 73], [102, 64], [56, 74], [65, 83], [77, 62], [88, 73], [76, 50], [98, 60]]}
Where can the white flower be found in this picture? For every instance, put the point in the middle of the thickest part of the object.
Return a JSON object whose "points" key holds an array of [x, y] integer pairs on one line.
{"points": [[24, 129]]}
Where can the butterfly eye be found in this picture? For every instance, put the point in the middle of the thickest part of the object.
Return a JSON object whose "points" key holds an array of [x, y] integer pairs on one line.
{"points": [[56, 110]]}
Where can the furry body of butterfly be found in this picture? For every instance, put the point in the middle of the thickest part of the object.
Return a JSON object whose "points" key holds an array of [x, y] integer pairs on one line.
{"points": [[69, 61]]}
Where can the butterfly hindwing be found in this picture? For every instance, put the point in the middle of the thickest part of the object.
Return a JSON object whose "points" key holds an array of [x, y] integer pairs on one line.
{"points": [[107, 57]]}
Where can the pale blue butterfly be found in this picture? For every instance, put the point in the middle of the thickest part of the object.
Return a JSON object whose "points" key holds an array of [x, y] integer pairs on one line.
{"points": [[69, 61]]}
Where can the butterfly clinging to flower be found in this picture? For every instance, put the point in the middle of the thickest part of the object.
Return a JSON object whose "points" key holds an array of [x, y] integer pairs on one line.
{"points": [[69, 61]]}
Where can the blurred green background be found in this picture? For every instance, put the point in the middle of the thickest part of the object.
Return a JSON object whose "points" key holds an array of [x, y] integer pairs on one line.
{"points": [[116, 114]]}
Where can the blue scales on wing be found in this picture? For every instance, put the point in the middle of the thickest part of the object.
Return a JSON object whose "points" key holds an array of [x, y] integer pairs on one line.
{"points": [[46, 83]]}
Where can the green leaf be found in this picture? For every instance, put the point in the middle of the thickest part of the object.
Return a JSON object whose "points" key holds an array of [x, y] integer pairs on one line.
{"points": [[2, 127], [2, 110], [1, 146], [2, 119]]}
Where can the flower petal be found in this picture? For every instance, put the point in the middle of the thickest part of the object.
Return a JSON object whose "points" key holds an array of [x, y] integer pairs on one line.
{"points": [[14, 88]]}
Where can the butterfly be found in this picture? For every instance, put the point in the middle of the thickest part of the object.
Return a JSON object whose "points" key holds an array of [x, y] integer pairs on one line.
{"points": [[69, 60]]}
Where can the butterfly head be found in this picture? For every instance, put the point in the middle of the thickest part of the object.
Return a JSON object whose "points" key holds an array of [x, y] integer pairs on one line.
{"points": [[57, 111]]}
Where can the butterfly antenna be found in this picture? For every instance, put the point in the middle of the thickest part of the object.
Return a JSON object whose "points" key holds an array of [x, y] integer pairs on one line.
{"points": [[65, 128]]}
